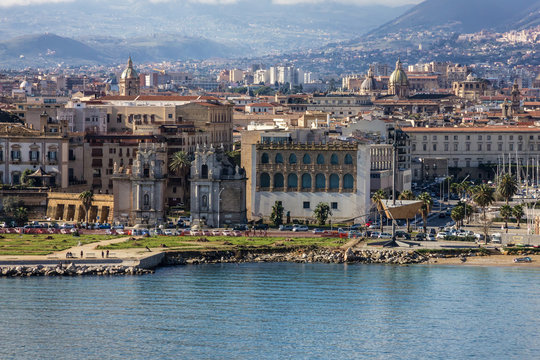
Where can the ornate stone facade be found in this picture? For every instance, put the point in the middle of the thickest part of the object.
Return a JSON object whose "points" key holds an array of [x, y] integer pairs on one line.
{"points": [[302, 175], [129, 81], [139, 190], [218, 189]]}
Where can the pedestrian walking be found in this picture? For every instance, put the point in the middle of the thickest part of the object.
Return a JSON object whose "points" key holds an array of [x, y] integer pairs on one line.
{"points": [[107, 253], [81, 254], [102, 254]]}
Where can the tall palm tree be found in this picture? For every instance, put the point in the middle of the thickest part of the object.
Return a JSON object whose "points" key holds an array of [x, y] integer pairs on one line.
{"points": [[483, 196], [458, 214], [377, 199], [407, 195], [506, 212], [508, 187], [425, 209], [87, 197], [180, 164], [518, 213]]}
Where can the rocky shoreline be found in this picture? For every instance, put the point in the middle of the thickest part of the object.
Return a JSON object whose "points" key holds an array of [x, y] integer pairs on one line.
{"points": [[71, 270], [322, 255]]}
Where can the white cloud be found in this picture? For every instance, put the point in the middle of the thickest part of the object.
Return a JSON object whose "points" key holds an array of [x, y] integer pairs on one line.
{"points": [[10, 3]]}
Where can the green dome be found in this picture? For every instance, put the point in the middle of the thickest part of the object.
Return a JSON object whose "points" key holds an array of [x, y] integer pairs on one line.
{"points": [[399, 77], [129, 72]]}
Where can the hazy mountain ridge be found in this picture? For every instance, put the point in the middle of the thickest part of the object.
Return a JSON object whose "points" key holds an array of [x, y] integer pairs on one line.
{"points": [[244, 28], [465, 16]]}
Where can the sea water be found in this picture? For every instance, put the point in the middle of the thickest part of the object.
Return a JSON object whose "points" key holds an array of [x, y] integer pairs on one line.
{"points": [[276, 311]]}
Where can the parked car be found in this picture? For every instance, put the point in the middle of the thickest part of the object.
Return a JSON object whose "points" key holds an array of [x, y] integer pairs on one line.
{"points": [[319, 231], [385, 235], [496, 238], [261, 226], [240, 227], [420, 237], [375, 234], [226, 233], [403, 234], [442, 235], [297, 228], [168, 232], [285, 227], [431, 237], [216, 233]]}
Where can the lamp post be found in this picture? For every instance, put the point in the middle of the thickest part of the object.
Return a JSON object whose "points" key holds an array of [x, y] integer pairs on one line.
{"points": [[218, 207]]}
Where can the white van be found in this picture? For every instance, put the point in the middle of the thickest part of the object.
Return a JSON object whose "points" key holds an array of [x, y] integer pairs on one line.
{"points": [[496, 238]]}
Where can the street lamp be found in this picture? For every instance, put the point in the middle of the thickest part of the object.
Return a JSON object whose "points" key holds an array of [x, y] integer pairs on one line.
{"points": [[218, 206]]}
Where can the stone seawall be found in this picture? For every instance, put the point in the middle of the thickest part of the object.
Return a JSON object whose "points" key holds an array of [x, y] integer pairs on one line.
{"points": [[308, 255], [71, 270]]}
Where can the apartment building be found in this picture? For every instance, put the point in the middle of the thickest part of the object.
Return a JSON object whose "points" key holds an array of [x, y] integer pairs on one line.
{"points": [[473, 151]]}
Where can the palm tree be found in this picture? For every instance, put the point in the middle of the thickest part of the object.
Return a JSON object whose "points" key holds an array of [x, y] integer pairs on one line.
{"points": [[518, 213], [458, 214], [507, 187], [454, 188], [506, 212], [180, 164], [483, 196], [377, 199], [407, 195], [87, 198], [427, 203]]}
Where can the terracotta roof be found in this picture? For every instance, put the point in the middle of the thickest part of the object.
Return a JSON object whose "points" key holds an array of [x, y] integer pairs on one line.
{"points": [[157, 98]]}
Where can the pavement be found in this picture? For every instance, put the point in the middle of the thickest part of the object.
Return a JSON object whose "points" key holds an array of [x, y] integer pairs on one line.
{"points": [[91, 256]]}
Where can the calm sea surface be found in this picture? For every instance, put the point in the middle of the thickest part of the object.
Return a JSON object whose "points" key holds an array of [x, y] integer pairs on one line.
{"points": [[276, 311]]}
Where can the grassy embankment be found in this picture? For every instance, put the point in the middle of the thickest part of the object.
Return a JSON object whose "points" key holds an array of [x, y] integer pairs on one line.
{"points": [[43, 244], [223, 242]]}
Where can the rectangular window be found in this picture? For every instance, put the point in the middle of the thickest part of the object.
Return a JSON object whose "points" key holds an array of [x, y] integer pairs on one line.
{"points": [[456, 146], [520, 147], [499, 146], [1, 155], [446, 137], [479, 137], [511, 147], [334, 206], [306, 205], [488, 147], [424, 147], [468, 137], [489, 137], [468, 147], [434, 137], [455, 137], [445, 146], [434, 147], [479, 147]]}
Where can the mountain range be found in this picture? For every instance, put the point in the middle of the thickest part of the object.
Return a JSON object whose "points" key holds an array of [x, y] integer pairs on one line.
{"points": [[465, 16], [103, 32]]}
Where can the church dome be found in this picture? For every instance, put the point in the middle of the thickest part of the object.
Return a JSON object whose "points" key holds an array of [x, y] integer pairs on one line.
{"points": [[398, 77], [129, 72], [470, 77], [369, 83]]}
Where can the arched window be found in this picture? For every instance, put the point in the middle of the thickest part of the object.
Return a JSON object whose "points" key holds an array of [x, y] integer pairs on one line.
{"points": [[306, 159], [320, 181], [348, 159], [348, 181], [292, 181], [278, 180], [320, 159], [264, 158], [292, 159], [334, 160], [279, 158], [265, 180], [306, 181], [334, 181]]}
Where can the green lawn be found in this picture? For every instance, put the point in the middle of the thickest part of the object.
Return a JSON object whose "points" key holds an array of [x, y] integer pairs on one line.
{"points": [[28, 244], [222, 242]]}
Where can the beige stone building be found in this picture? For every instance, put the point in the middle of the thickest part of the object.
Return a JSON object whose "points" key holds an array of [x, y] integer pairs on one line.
{"points": [[69, 207], [471, 88]]}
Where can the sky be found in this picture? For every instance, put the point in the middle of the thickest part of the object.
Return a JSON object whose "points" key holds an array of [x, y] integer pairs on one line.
{"points": [[11, 3]]}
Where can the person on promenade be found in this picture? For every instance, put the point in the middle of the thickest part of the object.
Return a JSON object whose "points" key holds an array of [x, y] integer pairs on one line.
{"points": [[82, 254], [102, 254], [107, 253]]}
